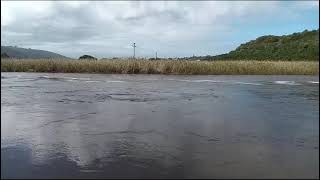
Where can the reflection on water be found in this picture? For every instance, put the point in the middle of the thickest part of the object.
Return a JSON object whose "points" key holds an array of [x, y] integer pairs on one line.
{"points": [[82, 125]]}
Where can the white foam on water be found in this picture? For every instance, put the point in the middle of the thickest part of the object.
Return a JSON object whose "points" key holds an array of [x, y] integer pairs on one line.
{"points": [[215, 81], [51, 77], [313, 82], [73, 78], [286, 82], [179, 80]]}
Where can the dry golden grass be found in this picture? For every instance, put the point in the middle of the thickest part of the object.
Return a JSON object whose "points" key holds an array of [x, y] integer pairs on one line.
{"points": [[162, 67]]}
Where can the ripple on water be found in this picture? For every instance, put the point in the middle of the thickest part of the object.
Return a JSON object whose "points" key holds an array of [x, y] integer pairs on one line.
{"points": [[287, 82]]}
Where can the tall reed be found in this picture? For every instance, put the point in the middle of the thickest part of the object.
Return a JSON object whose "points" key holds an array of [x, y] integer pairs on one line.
{"points": [[162, 67]]}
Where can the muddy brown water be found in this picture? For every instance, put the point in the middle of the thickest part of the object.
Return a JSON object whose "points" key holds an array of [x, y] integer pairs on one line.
{"points": [[157, 126]]}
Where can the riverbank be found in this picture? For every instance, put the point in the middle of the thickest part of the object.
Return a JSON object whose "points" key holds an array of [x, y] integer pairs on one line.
{"points": [[162, 67]]}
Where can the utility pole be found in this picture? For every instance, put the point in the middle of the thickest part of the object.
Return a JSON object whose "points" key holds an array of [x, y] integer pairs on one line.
{"points": [[156, 55], [134, 50]]}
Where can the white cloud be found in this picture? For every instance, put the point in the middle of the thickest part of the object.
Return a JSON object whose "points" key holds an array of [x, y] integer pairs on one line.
{"points": [[14, 10], [153, 24]]}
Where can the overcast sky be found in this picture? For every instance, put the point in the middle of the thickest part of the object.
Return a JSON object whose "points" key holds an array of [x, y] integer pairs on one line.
{"points": [[183, 28]]}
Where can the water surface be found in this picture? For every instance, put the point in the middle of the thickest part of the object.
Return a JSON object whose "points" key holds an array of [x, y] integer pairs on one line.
{"points": [[158, 126]]}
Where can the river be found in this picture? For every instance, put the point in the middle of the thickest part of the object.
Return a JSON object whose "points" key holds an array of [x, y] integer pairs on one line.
{"points": [[159, 126]]}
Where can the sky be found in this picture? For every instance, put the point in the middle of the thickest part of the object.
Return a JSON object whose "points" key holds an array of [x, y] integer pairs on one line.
{"points": [[170, 28]]}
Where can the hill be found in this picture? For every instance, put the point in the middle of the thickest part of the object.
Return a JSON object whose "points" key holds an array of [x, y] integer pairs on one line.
{"points": [[296, 46], [17, 52]]}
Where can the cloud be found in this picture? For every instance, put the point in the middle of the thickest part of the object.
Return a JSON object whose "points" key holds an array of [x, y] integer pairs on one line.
{"points": [[107, 28]]}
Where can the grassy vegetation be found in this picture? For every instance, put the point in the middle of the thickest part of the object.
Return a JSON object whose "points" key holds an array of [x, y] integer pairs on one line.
{"points": [[297, 46], [163, 67], [294, 47]]}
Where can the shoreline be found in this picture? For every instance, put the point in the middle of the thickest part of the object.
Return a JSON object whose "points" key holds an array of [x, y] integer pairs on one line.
{"points": [[165, 67]]}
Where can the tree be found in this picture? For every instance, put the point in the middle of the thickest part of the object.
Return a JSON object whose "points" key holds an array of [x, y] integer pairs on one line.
{"points": [[87, 57]]}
